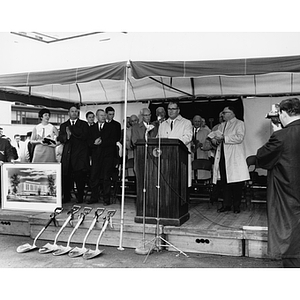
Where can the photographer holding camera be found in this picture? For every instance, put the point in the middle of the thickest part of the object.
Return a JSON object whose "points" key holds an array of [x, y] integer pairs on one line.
{"points": [[281, 157]]}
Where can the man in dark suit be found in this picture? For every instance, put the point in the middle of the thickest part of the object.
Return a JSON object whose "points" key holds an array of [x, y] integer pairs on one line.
{"points": [[280, 156], [73, 134], [103, 145], [90, 118], [116, 137]]}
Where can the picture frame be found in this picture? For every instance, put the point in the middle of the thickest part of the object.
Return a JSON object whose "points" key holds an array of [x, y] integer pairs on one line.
{"points": [[31, 186]]}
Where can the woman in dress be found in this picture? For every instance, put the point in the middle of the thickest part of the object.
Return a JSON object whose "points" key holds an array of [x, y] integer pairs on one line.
{"points": [[44, 152]]}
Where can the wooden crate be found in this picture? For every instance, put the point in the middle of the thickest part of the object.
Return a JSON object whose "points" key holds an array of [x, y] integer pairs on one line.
{"points": [[256, 241], [14, 222], [212, 242]]}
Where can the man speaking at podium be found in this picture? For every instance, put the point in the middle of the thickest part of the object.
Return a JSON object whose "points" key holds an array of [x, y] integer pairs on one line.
{"points": [[177, 127]]}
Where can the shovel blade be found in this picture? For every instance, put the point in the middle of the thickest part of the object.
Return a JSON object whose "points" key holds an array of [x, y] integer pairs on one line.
{"points": [[26, 248], [92, 253], [62, 250], [76, 252], [48, 248]]}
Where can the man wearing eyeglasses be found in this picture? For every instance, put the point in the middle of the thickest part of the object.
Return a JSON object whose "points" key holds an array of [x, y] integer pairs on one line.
{"points": [[230, 159], [138, 131], [177, 127]]}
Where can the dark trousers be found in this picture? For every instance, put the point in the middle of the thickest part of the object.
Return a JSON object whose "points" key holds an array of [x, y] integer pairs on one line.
{"points": [[101, 176], [232, 192], [79, 177]]}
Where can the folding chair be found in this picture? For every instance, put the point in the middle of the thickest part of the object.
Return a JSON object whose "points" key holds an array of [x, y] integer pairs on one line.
{"points": [[256, 187], [130, 178], [202, 188]]}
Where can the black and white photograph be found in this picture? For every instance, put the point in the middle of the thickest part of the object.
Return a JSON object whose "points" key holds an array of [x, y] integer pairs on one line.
{"points": [[31, 187], [156, 143]]}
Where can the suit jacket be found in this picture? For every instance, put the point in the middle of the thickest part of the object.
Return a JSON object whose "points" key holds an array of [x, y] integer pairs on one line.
{"points": [[6, 153], [280, 156], [75, 151], [138, 132], [116, 134], [108, 137]]}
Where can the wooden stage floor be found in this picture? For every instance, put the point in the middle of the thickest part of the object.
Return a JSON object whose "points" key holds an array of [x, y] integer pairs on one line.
{"points": [[207, 231]]}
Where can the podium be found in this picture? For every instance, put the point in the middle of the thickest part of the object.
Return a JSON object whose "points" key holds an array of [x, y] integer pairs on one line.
{"points": [[173, 198]]}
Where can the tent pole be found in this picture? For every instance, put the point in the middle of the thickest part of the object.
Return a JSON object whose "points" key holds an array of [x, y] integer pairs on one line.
{"points": [[124, 156]]}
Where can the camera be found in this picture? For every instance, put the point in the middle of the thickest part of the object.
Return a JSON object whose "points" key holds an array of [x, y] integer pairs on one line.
{"points": [[273, 115]]}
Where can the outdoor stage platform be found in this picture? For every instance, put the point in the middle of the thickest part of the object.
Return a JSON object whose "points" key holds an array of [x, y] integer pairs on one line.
{"points": [[207, 231]]}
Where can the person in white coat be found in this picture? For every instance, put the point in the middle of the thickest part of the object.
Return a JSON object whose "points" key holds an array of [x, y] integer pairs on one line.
{"points": [[230, 160], [177, 127]]}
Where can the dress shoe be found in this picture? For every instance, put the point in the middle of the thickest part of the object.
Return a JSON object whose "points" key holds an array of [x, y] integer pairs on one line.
{"points": [[223, 209], [105, 203], [237, 211]]}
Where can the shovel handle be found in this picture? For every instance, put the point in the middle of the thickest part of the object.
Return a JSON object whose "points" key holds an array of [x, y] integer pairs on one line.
{"points": [[99, 212], [56, 212], [87, 210], [74, 210]]}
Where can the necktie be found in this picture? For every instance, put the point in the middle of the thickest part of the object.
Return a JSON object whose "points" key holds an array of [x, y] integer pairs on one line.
{"points": [[18, 144], [195, 133], [73, 122], [43, 133], [172, 125]]}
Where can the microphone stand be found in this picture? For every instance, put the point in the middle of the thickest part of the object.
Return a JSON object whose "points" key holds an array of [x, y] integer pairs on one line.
{"points": [[143, 250], [156, 241]]}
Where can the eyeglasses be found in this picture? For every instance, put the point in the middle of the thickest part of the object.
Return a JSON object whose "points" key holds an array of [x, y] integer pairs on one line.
{"points": [[147, 115], [173, 108], [226, 112]]}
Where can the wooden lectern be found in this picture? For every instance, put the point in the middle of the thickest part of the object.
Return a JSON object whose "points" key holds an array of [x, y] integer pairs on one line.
{"points": [[173, 198]]}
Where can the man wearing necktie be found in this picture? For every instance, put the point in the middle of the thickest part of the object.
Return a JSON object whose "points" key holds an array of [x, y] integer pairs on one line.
{"points": [[90, 118], [230, 159], [177, 127], [139, 130], [103, 146], [73, 134]]}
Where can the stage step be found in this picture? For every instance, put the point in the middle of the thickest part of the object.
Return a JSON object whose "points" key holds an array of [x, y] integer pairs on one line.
{"points": [[223, 242], [206, 231]]}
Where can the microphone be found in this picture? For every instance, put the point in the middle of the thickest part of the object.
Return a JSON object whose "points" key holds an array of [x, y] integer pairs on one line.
{"points": [[149, 127]]}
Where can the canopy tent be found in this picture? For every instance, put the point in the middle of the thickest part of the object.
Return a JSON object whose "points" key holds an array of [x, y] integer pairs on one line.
{"points": [[161, 80], [139, 80], [184, 65]]}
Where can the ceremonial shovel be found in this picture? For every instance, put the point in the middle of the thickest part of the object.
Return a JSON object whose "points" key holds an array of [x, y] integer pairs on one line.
{"points": [[27, 247], [75, 252], [107, 219], [65, 249], [52, 247]]}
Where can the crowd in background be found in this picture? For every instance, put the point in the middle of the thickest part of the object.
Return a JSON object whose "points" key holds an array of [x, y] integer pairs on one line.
{"points": [[91, 155]]}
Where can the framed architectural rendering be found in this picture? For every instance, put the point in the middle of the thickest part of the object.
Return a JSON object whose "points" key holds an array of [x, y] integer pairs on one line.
{"points": [[32, 186]]}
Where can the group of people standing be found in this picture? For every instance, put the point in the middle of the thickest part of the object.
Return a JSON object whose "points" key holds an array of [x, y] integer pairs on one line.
{"points": [[90, 154]]}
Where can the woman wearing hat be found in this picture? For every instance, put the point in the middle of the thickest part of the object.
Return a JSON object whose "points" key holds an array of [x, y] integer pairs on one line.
{"points": [[42, 136]]}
